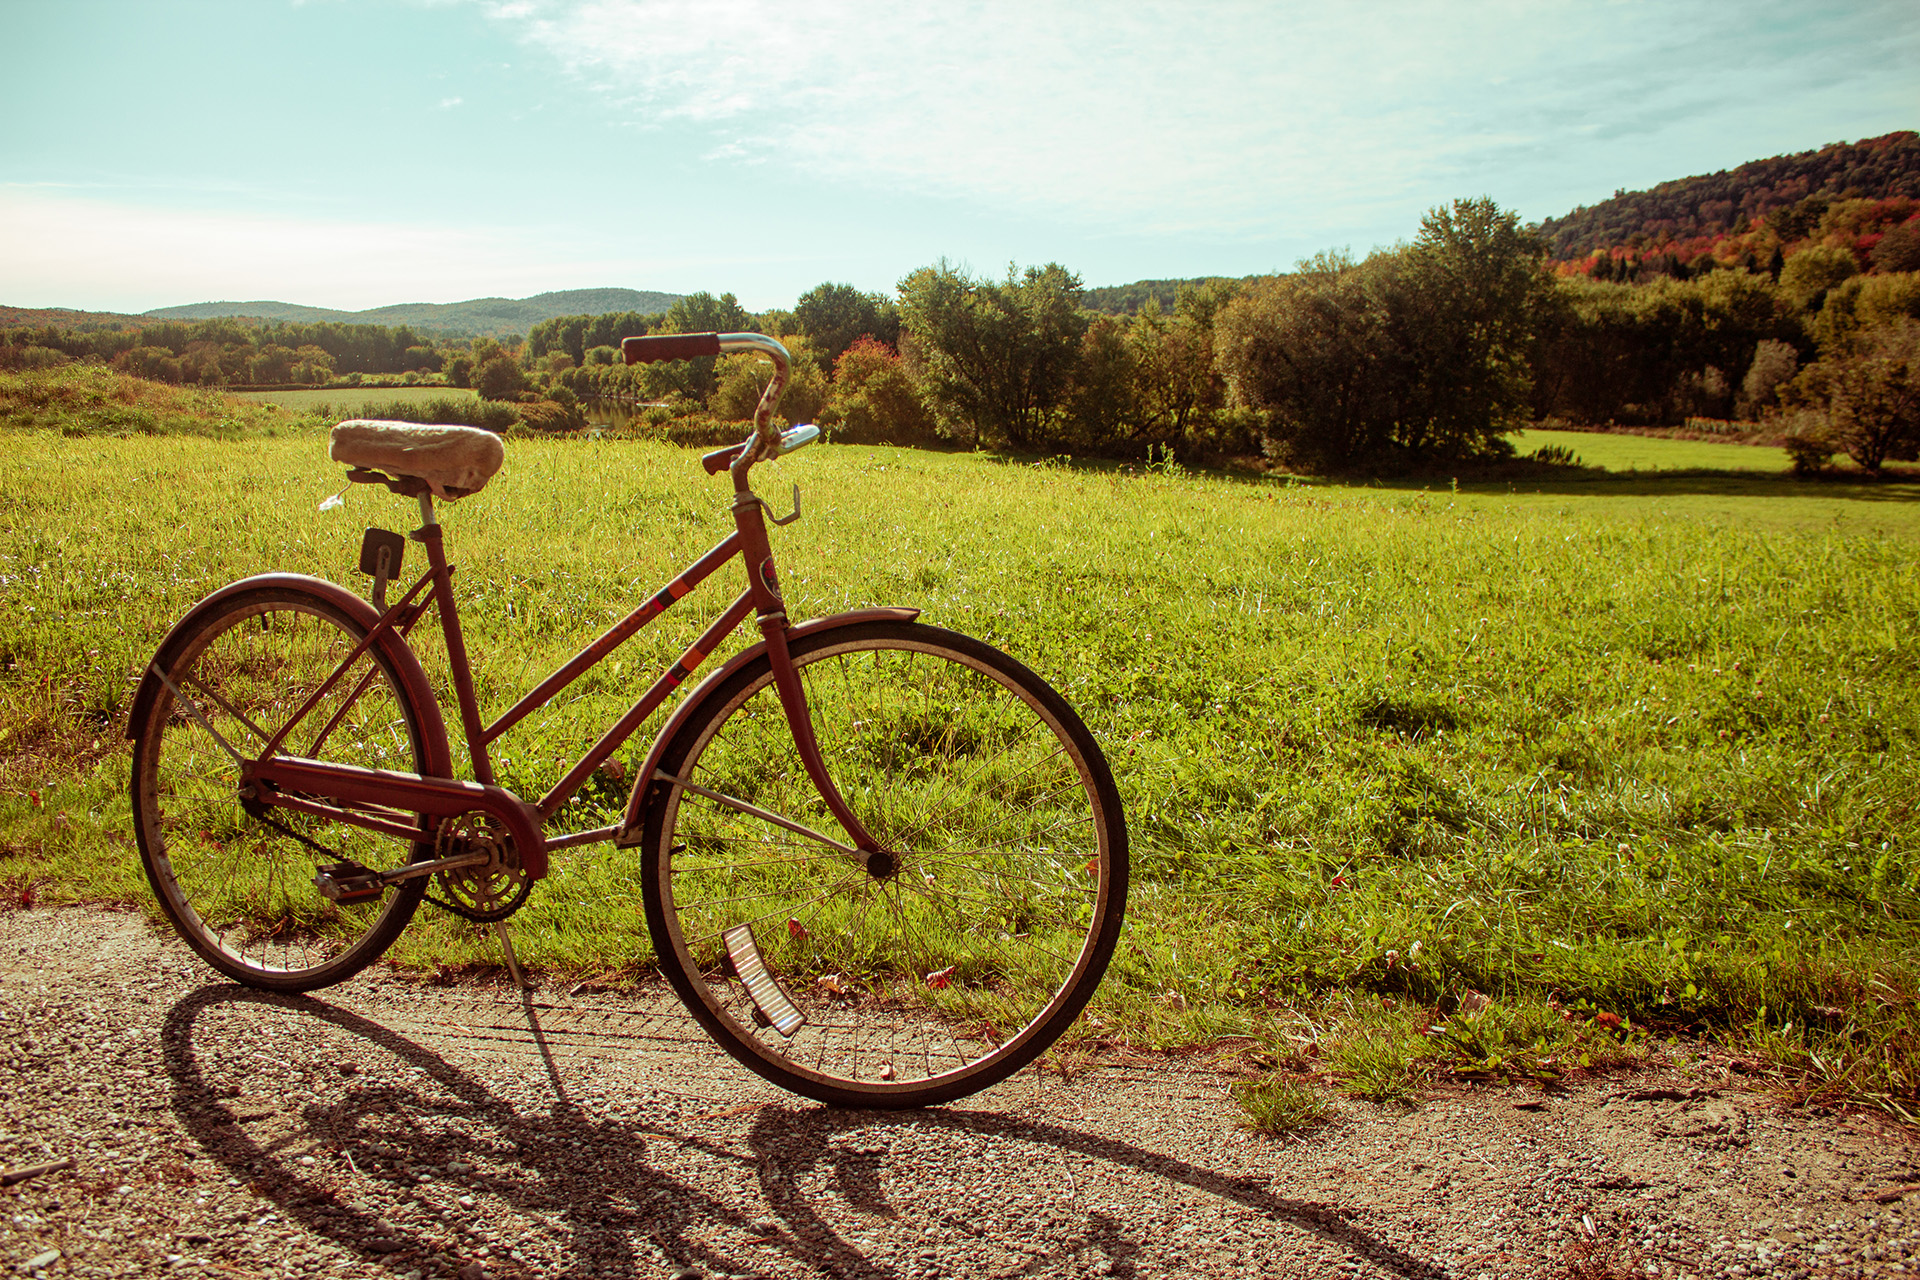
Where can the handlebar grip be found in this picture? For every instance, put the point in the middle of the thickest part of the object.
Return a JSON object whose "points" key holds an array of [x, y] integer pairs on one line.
{"points": [[669, 346]]}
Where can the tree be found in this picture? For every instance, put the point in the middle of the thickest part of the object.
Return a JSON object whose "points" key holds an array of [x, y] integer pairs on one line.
{"points": [[874, 398], [1311, 350], [1463, 306], [740, 380], [997, 358], [1899, 249], [1774, 363], [1809, 274], [834, 316], [500, 378], [695, 313], [1871, 394], [273, 363], [1177, 388]]}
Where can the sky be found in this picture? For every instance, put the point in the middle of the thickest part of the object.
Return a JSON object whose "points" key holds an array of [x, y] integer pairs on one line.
{"points": [[359, 153]]}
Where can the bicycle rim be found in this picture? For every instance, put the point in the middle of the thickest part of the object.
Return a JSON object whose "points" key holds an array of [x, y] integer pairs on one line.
{"points": [[238, 886], [976, 941]]}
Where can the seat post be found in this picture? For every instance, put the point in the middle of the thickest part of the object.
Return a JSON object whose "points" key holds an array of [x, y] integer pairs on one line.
{"points": [[429, 534]]}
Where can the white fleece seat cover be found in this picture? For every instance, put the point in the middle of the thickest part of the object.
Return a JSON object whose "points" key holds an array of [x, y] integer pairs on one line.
{"points": [[454, 461]]}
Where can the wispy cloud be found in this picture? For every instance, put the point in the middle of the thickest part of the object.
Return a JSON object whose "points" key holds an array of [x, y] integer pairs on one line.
{"points": [[448, 103], [1201, 117]]}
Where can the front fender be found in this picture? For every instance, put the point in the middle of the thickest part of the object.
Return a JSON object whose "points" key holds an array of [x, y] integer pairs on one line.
{"points": [[628, 834], [433, 728]]}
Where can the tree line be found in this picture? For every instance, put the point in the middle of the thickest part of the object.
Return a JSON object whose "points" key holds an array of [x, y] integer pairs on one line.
{"points": [[1425, 353], [231, 352]]}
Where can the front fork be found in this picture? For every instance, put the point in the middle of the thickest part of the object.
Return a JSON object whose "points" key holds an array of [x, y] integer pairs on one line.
{"points": [[750, 517]]}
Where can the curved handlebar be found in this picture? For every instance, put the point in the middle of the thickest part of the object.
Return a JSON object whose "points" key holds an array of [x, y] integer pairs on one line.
{"points": [[764, 442], [669, 346]]}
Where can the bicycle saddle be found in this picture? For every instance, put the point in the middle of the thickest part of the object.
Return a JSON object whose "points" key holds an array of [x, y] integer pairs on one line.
{"points": [[452, 461]]}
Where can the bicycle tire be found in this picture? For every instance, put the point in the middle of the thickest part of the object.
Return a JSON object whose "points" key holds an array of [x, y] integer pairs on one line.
{"points": [[920, 983], [238, 886]]}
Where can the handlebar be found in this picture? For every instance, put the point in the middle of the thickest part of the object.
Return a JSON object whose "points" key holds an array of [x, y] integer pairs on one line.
{"points": [[763, 442]]}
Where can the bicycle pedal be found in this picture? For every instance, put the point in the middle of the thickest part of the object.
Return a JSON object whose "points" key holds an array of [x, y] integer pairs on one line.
{"points": [[346, 882], [770, 999]]}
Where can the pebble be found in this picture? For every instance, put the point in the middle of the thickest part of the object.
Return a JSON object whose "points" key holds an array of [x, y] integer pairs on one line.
{"points": [[216, 1124]]}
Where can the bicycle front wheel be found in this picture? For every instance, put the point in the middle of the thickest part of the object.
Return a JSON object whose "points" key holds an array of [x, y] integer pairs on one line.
{"points": [[236, 880], [947, 960]]}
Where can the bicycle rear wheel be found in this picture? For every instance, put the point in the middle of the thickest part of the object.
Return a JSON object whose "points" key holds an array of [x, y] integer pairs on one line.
{"points": [[236, 881], [948, 961]]}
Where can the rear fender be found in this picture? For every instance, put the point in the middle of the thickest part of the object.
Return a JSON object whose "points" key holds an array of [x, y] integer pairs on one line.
{"points": [[629, 833], [433, 728]]}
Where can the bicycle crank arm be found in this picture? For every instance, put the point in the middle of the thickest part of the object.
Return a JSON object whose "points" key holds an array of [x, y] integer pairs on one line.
{"points": [[414, 870], [350, 785]]}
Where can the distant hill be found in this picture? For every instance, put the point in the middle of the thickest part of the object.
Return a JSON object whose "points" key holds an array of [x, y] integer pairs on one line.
{"points": [[1730, 202], [489, 317], [66, 318]]}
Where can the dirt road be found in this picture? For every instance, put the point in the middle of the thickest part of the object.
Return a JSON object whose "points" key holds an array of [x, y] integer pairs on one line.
{"points": [[402, 1130]]}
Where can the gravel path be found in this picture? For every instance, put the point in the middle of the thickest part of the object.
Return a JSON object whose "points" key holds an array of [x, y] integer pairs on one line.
{"points": [[402, 1130]]}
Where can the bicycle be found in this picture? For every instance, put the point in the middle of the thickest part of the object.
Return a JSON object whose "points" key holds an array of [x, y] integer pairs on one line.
{"points": [[882, 863]]}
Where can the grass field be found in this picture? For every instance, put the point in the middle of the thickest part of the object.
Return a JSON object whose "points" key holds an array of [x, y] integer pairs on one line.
{"points": [[1640, 453], [1608, 746]]}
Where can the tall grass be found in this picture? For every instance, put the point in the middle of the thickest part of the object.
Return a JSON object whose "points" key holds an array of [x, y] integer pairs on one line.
{"points": [[1653, 751]]}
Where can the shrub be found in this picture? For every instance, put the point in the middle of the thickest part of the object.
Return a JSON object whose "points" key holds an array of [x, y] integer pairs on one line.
{"points": [[1870, 394], [1773, 364], [1809, 441], [488, 414], [874, 399], [500, 378], [552, 415]]}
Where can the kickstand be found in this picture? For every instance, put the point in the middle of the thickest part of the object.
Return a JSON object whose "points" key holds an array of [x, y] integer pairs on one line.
{"points": [[513, 961]]}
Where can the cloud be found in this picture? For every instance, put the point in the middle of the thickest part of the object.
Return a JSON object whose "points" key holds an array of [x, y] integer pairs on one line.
{"points": [[446, 103], [1206, 117]]}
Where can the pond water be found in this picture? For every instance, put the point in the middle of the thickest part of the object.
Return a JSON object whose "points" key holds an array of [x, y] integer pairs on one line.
{"points": [[611, 411]]}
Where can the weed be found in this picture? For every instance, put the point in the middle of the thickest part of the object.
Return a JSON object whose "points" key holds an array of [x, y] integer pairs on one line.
{"points": [[1376, 1058], [1278, 1104]]}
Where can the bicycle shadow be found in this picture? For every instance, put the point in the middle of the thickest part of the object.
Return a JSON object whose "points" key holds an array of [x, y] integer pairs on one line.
{"points": [[619, 1197]]}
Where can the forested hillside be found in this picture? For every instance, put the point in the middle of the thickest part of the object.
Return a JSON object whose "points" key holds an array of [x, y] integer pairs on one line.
{"points": [[1851, 192], [477, 317]]}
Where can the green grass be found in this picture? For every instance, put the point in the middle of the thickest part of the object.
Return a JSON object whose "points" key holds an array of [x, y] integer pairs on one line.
{"points": [[1644, 743], [1275, 1105], [1643, 453]]}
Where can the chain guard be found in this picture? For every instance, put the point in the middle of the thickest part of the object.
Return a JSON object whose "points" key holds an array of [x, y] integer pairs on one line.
{"points": [[487, 892]]}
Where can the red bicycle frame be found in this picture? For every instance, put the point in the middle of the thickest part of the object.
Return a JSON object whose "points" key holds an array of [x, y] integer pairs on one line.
{"points": [[391, 802]]}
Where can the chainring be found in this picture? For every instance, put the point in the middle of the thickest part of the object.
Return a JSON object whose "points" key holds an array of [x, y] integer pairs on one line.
{"points": [[487, 891]]}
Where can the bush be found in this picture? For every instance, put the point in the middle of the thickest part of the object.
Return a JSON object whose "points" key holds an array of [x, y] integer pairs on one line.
{"points": [[1809, 441], [1870, 394], [874, 400], [488, 414], [1774, 363], [500, 378], [29, 356], [552, 415]]}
